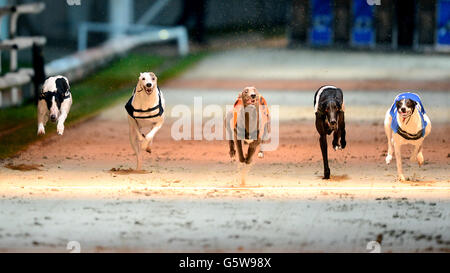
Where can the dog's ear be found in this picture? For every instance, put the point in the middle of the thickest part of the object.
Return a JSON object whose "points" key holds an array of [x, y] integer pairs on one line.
{"points": [[411, 103], [62, 86], [398, 104]]}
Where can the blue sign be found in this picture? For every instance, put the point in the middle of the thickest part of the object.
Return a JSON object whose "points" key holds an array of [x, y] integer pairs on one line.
{"points": [[443, 23], [321, 30], [363, 32]]}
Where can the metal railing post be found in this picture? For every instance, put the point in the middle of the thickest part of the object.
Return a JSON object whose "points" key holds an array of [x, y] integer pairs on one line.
{"points": [[183, 42], [82, 37]]}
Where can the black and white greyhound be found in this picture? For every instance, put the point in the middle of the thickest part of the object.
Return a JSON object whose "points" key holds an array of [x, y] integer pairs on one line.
{"points": [[54, 103], [329, 109]]}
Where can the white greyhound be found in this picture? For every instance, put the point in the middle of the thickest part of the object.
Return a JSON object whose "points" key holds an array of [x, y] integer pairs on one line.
{"points": [[145, 111], [406, 123]]}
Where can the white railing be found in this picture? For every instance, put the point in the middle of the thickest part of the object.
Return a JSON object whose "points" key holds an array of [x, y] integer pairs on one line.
{"points": [[17, 78]]}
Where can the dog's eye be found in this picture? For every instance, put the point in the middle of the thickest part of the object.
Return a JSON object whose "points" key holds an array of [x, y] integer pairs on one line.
{"points": [[153, 79], [143, 79]]}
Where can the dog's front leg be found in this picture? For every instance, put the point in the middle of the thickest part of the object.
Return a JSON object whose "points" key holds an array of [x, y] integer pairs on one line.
{"points": [[42, 120], [388, 131], [42, 117], [251, 151], [324, 148], [232, 150], [239, 151], [60, 125], [148, 140], [135, 128], [134, 140], [336, 137], [398, 158]]}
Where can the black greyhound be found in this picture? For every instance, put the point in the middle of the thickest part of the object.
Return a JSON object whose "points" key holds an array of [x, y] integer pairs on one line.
{"points": [[329, 108]]}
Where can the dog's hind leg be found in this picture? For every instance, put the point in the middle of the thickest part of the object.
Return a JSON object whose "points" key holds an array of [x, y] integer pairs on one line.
{"points": [[420, 158], [417, 154], [324, 148], [342, 131], [232, 150]]}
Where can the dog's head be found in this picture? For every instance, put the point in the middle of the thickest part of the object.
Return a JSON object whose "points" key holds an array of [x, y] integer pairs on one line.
{"points": [[249, 96], [332, 108], [54, 98], [147, 82], [405, 107]]}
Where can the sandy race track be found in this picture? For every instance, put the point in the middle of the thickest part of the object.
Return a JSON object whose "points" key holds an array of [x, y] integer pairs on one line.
{"points": [[80, 187]]}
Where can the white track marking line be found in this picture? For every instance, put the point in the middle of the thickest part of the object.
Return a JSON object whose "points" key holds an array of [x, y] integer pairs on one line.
{"points": [[393, 188]]}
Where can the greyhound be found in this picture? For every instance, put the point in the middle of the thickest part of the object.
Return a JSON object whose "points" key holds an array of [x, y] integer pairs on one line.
{"points": [[54, 102], [329, 109], [406, 122], [249, 122], [145, 110]]}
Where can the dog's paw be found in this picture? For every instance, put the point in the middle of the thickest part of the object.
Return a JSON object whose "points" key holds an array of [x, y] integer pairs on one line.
{"points": [[41, 129], [337, 147], [343, 144], [401, 178], [144, 145], [388, 159], [148, 150], [261, 154], [420, 159], [232, 153], [326, 174], [60, 129]]}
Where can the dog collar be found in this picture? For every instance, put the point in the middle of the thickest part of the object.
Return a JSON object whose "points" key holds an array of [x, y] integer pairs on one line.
{"points": [[131, 110], [46, 95]]}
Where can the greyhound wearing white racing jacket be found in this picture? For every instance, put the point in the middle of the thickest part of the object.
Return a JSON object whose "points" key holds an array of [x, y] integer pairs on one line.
{"points": [[406, 122], [54, 102], [145, 110]]}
